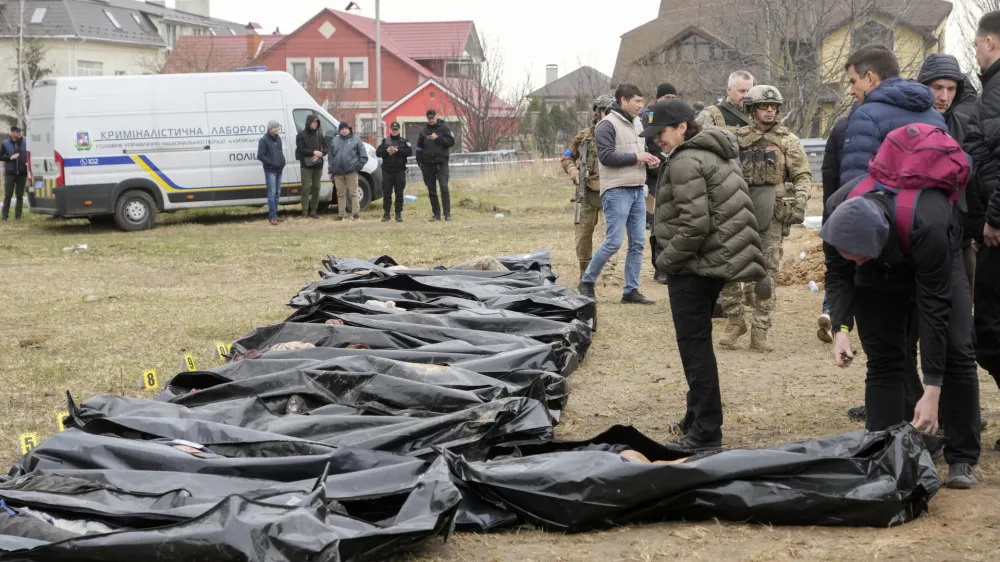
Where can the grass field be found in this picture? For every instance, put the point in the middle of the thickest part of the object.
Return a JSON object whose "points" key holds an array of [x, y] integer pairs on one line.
{"points": [[91, 322]]}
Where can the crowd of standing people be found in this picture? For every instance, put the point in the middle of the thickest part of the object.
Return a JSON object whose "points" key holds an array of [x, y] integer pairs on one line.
{"points": [[345, 156], [911, 232]]}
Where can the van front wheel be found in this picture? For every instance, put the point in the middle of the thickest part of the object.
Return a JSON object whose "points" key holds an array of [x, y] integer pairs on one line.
{"points": [[135, 210]]}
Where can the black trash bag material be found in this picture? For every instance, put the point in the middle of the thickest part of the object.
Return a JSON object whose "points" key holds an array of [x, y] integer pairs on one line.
{"points": [[873, 479], [526, 292], [192, 521], [570, 340], [470, 432], [539, 260], [369, 383]]}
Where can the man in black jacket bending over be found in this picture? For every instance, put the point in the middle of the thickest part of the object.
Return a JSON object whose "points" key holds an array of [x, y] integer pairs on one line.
{"points": [[433, 147], [874, 278], [393, 151]]}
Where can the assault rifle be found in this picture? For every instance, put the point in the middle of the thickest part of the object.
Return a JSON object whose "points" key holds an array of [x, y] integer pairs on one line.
{"points": [[581, 182]]}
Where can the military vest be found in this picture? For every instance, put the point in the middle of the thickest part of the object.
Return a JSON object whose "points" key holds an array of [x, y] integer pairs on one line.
{"points": [[725, 117]]}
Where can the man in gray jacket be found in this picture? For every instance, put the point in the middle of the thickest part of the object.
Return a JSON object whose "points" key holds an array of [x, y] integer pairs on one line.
{"points": [[347, 158], [623, 159]]}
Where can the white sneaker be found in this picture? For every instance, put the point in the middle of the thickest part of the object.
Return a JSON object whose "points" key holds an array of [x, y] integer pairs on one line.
{"points": [[824, 332]]}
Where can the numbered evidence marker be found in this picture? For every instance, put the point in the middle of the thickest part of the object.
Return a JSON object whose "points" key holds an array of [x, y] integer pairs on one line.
{"points": [[188, 363], [60, 420], [28, 442], [222, 350], [149, 380]]}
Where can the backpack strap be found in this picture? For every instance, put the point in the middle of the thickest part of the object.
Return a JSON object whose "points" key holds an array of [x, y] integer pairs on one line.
{"points": [[905, 205], [864, 186]]}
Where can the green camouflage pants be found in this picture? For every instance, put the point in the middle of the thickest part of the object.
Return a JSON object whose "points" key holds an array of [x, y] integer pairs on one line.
{"points": [[736, 296], [590, 215]]}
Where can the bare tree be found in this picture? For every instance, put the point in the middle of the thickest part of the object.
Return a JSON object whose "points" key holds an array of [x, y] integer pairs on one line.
{"points": [[488, 109], [967, 14], [33, 69], [800, 46], [29, 65], [328, 91]]}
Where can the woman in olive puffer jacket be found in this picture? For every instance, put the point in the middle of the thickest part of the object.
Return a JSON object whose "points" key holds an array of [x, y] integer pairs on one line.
{"points": [[704, 224]]}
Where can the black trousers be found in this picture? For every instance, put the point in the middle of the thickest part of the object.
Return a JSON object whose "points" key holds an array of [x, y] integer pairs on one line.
{"points": [[13, 188], [692, 301], [434, 175], [393, 183], [882, 319], [988, 310]]}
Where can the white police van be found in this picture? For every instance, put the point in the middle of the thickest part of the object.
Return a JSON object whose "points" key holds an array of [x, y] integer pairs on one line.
{"points": [[127, 147]]}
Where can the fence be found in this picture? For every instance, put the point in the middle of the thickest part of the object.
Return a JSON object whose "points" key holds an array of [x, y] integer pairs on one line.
{"points": [[466, 165], [815, 149]]}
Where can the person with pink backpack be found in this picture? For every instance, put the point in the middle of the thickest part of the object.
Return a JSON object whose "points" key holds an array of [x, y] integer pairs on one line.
{"points": [[893, 243]]}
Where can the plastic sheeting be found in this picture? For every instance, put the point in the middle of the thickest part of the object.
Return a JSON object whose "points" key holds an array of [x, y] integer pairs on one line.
{"points": [[858, 479], [395, 405]]}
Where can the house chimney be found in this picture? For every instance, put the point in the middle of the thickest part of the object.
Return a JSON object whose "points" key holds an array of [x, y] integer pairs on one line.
{"points": [[197, 7], [253, 42], [551, 73]]}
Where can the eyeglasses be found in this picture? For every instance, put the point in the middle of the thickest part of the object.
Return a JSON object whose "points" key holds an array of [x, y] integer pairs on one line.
{"points": [[767, 106]]}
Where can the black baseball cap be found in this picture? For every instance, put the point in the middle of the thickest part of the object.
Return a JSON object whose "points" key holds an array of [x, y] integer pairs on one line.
{"points": [[394, 125], [431, 112], [666, 113], [15, 129]]}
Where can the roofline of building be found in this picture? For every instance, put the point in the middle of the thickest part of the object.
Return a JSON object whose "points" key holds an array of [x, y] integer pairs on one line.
{"points": [[416, 90], [85, 39]]}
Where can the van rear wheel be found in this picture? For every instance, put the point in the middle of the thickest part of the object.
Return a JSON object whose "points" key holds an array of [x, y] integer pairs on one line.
{"points": [[135, 210]]}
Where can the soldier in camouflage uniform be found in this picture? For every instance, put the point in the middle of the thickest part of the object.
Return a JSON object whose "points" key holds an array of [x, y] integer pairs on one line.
{"points": [[730, 113], [590, 207], [780, 179]]}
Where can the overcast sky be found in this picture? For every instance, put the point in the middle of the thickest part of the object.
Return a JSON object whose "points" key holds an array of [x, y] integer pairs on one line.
{"points": [[531, 33]]}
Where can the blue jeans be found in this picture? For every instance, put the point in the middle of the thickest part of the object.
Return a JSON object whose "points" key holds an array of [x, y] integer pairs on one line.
{"points": [[273, 181], [624, 210]]}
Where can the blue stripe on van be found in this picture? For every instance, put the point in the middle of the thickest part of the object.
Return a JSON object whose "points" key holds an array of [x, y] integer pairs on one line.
{"points": [[97, 161]]}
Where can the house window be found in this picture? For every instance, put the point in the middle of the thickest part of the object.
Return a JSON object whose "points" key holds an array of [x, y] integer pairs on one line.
{"points": [[111, 17], [231, 32], [299, 72], [138, 20], [38, 16], [460, 68], [366, 126], [357, 72], [327, 69], [212, 31], [170, 30], [871, 32], [89, 68], [299, 69]]}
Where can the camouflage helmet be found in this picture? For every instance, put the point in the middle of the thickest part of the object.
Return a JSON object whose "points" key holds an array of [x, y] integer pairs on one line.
{"points": [[603, 101], [761, 94]]}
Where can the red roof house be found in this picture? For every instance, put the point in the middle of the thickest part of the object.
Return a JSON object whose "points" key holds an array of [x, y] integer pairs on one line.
{"points": [[333, 56]]}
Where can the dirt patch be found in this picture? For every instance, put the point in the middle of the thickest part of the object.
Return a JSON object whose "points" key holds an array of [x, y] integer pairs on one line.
{"points": [[803, 264]]}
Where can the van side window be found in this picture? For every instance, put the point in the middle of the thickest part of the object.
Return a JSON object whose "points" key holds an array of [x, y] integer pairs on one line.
{"points": [[300, 118], [329, 129]]}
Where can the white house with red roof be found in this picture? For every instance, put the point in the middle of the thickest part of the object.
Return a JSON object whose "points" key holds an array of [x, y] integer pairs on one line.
{"points": [[424, 65]]}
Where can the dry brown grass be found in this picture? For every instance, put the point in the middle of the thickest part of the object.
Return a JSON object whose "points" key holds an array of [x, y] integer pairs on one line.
{"points": [[205, 277]]}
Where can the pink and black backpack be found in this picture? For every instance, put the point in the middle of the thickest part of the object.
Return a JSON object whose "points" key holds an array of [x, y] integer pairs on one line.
{"points": [[912, 159]]}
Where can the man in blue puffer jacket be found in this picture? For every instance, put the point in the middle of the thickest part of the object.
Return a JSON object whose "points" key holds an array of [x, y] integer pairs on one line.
{"points": [[887, 102]]}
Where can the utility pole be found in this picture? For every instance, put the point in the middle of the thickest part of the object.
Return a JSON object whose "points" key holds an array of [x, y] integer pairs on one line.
{"points": [[22, 103], [380, 125]]}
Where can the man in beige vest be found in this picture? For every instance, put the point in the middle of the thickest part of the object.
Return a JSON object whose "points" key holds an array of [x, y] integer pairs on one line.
{"points": [[623, 159]]}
